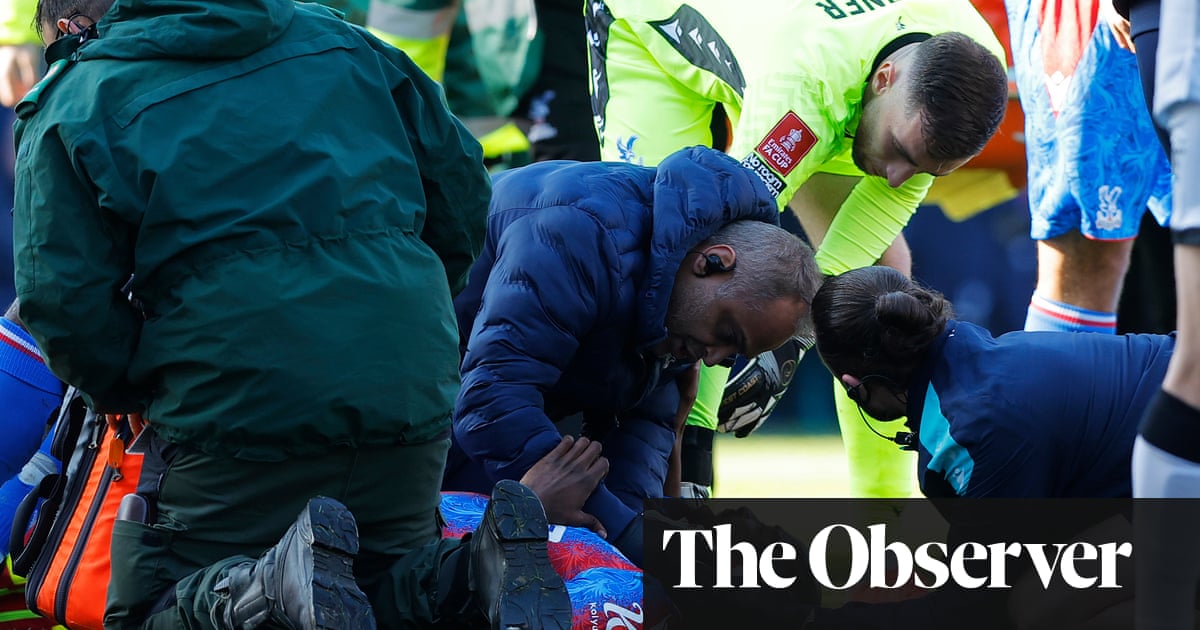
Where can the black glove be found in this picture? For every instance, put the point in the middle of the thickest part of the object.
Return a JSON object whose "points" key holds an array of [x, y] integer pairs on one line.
{"points": [[756, 385]]}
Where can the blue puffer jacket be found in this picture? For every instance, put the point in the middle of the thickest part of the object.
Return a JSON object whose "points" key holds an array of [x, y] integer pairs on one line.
{"points": [[564, 304]]}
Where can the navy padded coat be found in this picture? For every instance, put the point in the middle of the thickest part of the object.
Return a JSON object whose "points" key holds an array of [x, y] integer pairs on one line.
{"points": [[563, 307]]}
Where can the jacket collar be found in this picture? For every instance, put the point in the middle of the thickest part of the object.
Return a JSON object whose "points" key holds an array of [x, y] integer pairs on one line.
{"points": [[918, 384]]}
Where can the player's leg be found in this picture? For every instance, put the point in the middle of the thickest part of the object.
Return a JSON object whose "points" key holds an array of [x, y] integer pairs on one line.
{"points": [[1167, 454], [1086, 196], [877, 467], [1173, 421], [1079, 283]]}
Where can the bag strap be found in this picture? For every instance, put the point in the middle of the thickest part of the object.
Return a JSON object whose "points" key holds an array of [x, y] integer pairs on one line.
{"points": [[25, 553], [27, 539], [68, 426]]}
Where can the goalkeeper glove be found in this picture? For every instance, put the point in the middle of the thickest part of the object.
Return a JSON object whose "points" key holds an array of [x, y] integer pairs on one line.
{"points": [[756, 385]]}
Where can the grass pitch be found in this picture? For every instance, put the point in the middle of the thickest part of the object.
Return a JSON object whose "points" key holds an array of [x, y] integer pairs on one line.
{"points": [[780, 466]]}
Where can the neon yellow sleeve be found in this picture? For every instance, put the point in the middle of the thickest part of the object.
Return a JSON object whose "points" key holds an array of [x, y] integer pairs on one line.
{"points": [[16, 22], [868, 222], [428, 54], [421, 28]]}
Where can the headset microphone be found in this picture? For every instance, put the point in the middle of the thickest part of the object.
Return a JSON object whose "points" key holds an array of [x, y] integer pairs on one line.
{"points": [[906, 439]]}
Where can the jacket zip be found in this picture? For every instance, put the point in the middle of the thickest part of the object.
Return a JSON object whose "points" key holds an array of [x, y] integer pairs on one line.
{"points": [[70, 499], [85, 531]]}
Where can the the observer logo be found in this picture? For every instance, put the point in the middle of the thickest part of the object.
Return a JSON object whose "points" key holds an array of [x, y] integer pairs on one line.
{"points": [[887, 564]]}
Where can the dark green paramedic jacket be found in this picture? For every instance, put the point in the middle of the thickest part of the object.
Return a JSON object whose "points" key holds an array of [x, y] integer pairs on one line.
{"points": [[293, 201]]}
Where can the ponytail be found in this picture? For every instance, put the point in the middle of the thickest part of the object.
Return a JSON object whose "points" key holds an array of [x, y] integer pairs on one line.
{"points": [[875, 320]]}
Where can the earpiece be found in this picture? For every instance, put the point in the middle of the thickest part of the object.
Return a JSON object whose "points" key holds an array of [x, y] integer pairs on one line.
{"points": [[714, 264]]}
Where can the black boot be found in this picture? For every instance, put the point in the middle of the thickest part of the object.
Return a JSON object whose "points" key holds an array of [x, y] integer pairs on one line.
{"points": [[510, 571], [306, 581]]}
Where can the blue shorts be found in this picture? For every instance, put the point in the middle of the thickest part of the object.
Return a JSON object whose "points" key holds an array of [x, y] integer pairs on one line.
{"points": [[1096, 165]]}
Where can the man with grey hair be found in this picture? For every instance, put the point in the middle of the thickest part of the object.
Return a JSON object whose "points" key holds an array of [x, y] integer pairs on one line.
{"points": [[599, 288]]}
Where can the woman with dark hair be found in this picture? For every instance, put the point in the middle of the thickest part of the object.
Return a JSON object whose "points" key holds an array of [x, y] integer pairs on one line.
{"points": [[1025, 414]]}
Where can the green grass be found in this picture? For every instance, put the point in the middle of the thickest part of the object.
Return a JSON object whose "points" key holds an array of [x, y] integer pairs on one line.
{"points": [[780, 466]]}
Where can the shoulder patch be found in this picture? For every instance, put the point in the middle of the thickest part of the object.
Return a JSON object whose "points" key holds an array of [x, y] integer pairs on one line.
{"points": [[774, 182], [787, 143]]}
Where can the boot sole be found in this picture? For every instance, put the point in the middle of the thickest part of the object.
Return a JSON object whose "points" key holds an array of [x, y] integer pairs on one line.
{"points": [[532, 594], [338, 603]]}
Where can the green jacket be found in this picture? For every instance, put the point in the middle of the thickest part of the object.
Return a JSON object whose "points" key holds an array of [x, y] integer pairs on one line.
{"points": [[290, 196], [16, 22], [353, 11]]}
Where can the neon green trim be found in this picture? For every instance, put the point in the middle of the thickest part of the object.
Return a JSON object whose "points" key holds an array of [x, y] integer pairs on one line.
{"points": [[18, 615], [16, 579], [428, 54], [29, 104], [503, 141]]}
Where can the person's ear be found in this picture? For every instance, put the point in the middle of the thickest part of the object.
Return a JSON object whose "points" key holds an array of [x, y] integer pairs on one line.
{"points": [[884, 78], [63, 25], [850, 381], [714, 260]]}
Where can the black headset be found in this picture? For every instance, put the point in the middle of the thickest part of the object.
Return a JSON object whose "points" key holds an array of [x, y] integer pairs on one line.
{"points": [[714, 264], [906, 439]]}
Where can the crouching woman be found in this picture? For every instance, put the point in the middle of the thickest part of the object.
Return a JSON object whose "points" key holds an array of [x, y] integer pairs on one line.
{"points": [[1025, 414]]}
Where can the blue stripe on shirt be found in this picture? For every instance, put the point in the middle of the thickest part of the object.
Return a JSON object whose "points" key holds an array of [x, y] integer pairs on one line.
{"points": [[947, 457]]}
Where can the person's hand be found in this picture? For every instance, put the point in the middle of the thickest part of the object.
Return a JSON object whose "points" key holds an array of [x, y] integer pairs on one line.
{"points": [[1118, 25], [565, 478], [19, 66], [136, 422]]}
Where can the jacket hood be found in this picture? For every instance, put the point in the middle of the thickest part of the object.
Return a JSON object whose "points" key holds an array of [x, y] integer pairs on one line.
{"points": [[188, 29], [696, 192]]}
